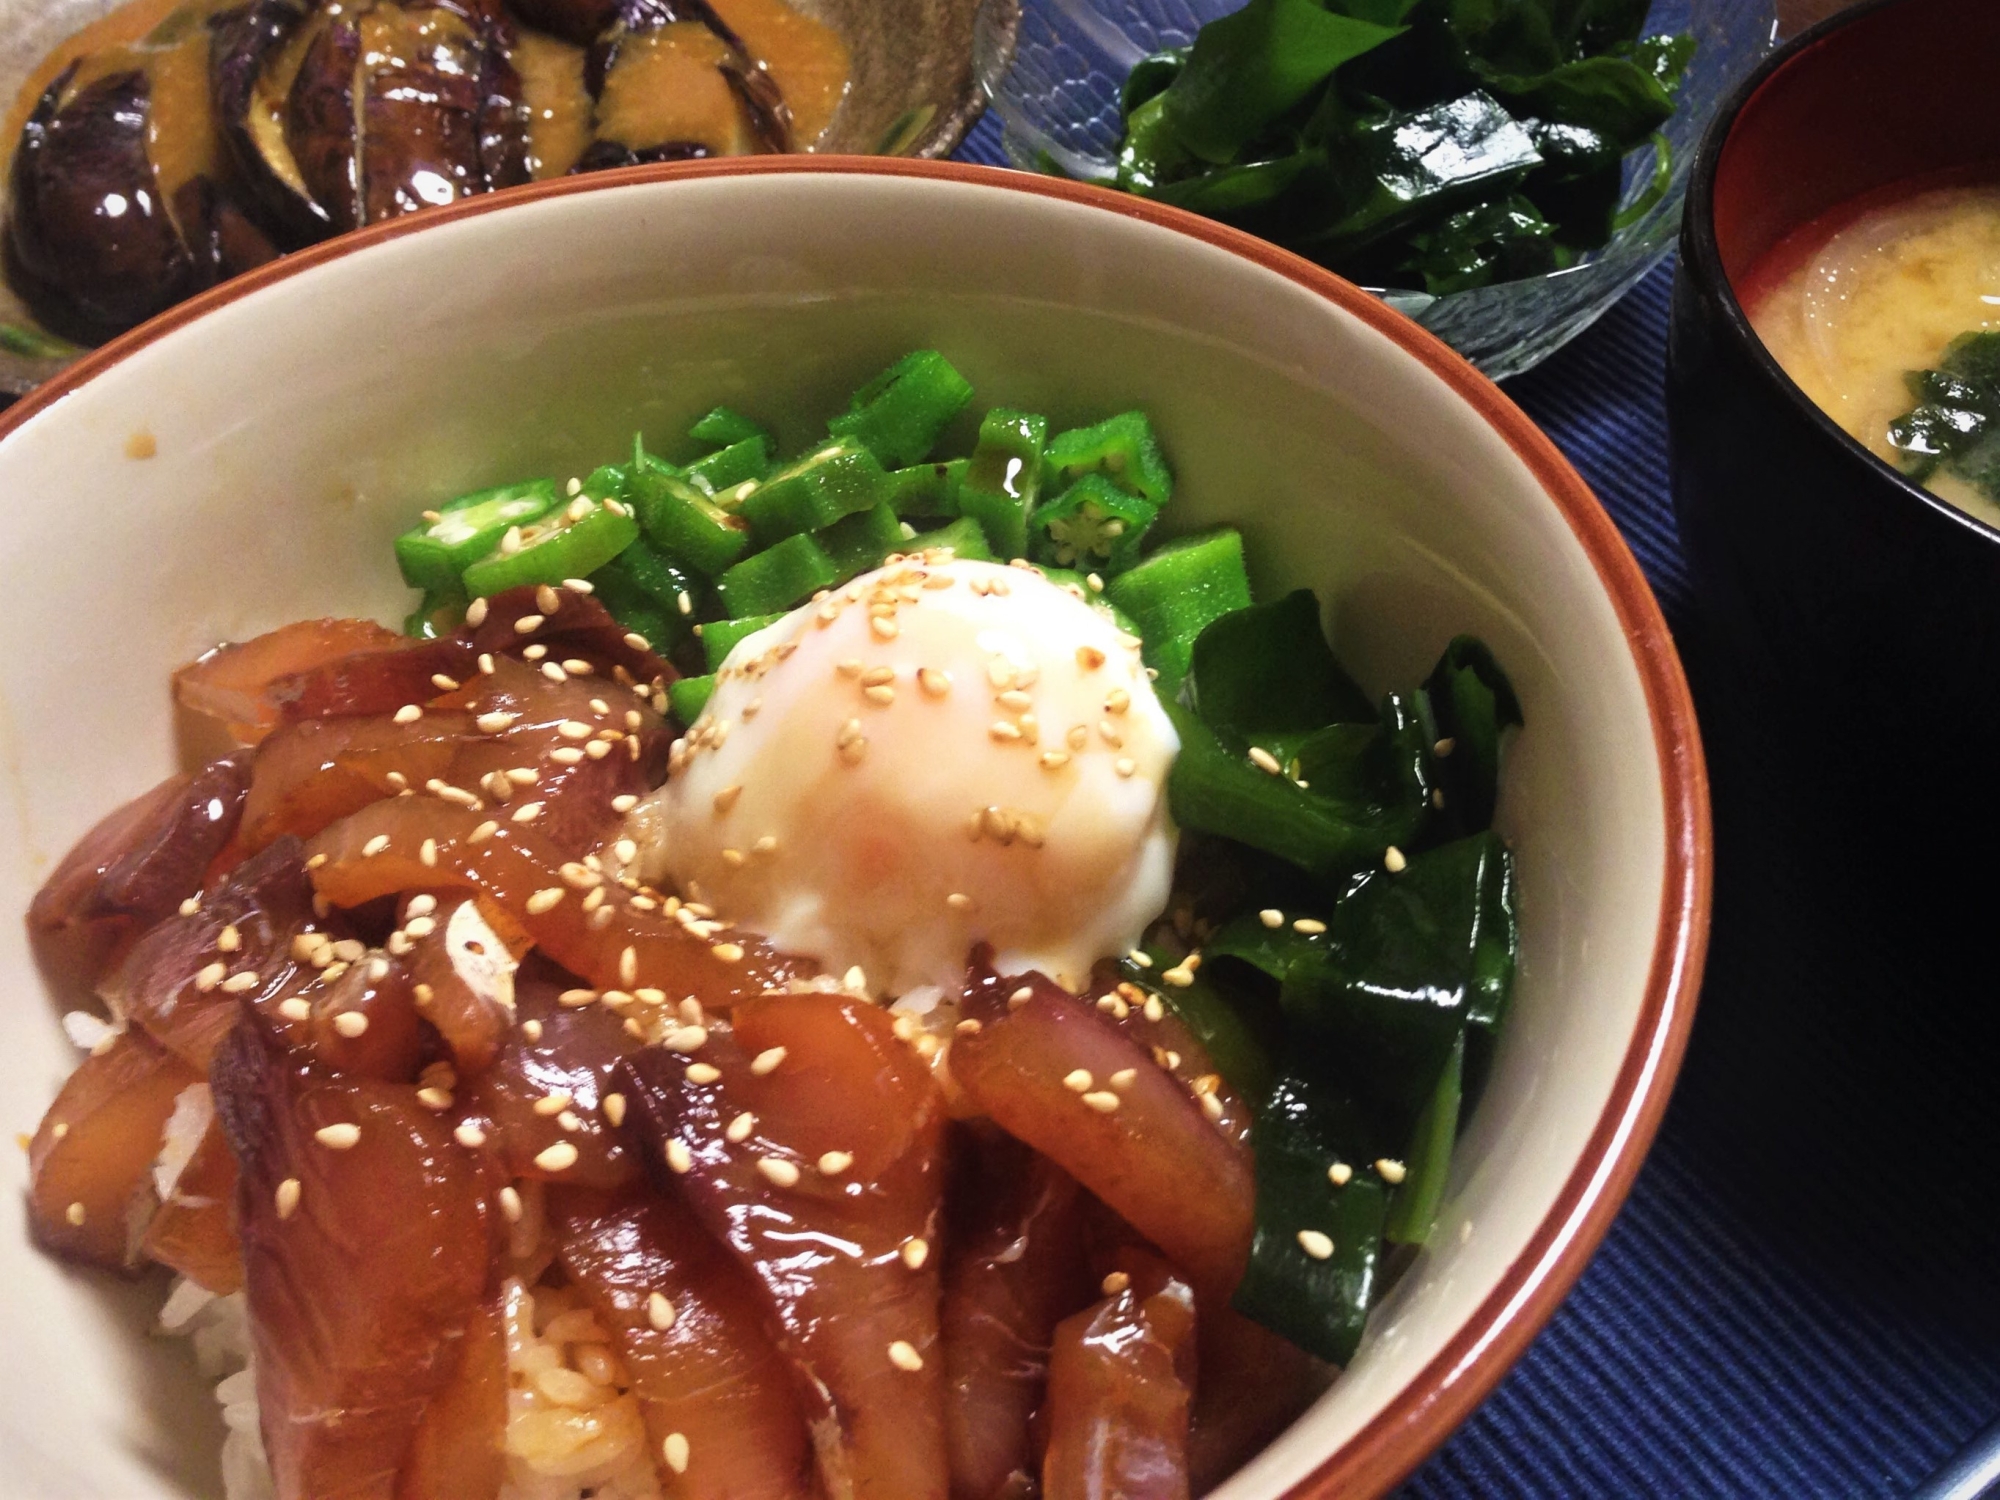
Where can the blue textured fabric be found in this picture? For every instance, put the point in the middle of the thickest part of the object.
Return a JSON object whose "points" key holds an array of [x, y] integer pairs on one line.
{"points": [[1800, 1297]]}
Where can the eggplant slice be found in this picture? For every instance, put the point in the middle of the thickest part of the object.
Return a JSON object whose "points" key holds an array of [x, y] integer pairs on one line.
{"points": [[94, 242], [770, 117]]}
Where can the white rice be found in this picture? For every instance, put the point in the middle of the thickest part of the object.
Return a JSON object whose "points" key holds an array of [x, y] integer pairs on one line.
{"points": [[574, 1429]]}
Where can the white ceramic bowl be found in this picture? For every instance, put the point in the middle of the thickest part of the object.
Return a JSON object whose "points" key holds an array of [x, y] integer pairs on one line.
{"points": [[302, 414]]}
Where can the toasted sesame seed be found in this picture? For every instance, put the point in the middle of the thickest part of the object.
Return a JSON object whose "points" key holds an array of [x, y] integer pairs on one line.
{"points": [[209, 976], [624, 802], [295, 1009], [1080, 1081], [554, 1102], [1108, 732], [738, 1130], [190, 906], [1140, 957], [1271, 917], [1265, 761], [767, 1061], [675, 1451], [1339, 1174], [703, 1073], [1115, 1283], [1211, 1105], [475, 613], [409, 713], [1310, 926], [229, 940], [958, 901], [1078, 736], [338, 1137], [881, 694], [351, 1023], [1021, 996], [778, 1172], [1003, 731], [527, 812], [1122, 1079], [729, 953], [1391, 1171], [934, 682], [1125, 765], [903, 1355], [241, 984], [1444, 747], [1315, 1244], [557, 1158], [1394, 861], [287, 1197], [469, 1134], [1103, 1101], [510, 1204], [75, 1215], [434, 1098], [884, 627]]}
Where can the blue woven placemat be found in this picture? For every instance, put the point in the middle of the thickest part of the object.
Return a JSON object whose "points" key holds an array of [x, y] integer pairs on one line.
{"points": [[1802, 1295]]}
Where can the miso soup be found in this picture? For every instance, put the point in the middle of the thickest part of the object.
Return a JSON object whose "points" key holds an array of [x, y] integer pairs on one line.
{"points": [[1888, 317]]}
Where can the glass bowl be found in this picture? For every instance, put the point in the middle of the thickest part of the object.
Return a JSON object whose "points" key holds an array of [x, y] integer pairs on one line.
{"points": [[1058, 105]]}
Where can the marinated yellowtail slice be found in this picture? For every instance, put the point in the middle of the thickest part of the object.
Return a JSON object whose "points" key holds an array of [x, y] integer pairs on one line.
{"points": [[721, 1407], [90, 1166], [367, 1243], [1014, 1268], [811, 1141], [194, 1231], [458, 1452], [1121, 1380], [1061, 1075]]}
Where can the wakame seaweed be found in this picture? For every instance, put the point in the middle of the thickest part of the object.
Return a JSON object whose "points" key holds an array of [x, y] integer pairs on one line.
{"points": [[1955, 426], [1425, 144]]}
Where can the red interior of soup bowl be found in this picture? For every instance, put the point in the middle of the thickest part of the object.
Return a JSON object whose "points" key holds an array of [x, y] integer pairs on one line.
{"points": [[1903, 91]]}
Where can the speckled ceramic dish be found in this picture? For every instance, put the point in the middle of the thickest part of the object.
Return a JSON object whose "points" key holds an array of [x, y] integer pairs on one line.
{"points": [[914, 92]]}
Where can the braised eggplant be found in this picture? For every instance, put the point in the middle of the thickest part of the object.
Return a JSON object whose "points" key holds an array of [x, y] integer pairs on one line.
{"points": [[115, 211], [641, 62]]}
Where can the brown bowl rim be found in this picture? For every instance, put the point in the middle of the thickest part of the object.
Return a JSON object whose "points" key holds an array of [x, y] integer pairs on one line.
{"points": [[1701, 262], [1446, 1390]]}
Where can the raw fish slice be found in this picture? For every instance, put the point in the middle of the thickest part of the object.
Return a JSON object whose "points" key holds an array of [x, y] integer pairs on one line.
{"points": [[1253, 1384], [194, 1231], [458, 1451], [133, 869], [579, 627], [546, 1090], [365, 1262], [816, 1154], [463, 978], [311, 774], [374, 682], [233, 683], [1178, 1050], [712, 1374], [90, 1165], [1150, 1153], [169, 984], [1119, 1392], [509, 864], [1013, 1270]]}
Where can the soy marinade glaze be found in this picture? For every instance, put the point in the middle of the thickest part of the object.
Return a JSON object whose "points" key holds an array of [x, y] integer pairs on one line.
{"points": [[447, 1086]]}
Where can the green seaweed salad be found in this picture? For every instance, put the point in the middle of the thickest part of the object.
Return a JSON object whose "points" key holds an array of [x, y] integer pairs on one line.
{"points": [[1342, 935], [1432, 144]]}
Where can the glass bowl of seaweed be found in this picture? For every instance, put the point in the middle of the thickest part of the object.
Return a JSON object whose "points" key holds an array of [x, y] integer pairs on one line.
{"points": [[1500, 170]]}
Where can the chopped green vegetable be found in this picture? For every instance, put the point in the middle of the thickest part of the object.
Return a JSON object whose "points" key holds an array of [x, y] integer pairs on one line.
{"points": [[1231, 1044], [688, 696], [438, 614], [1953, 426], [728, 467], [964, 537], [1265, 676], [573, 542], [1408, 957], [1093, 524], [900, 414], [834, 480], [1427, 1162], [647, 593], [861, 541], [435, 554], [1471, 702], [1177, 592], [723, 428], [1316, 1248], [719, 637], [1003, 481], [1123, 449], [777, 578], [703, 532], [927, 489]]}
